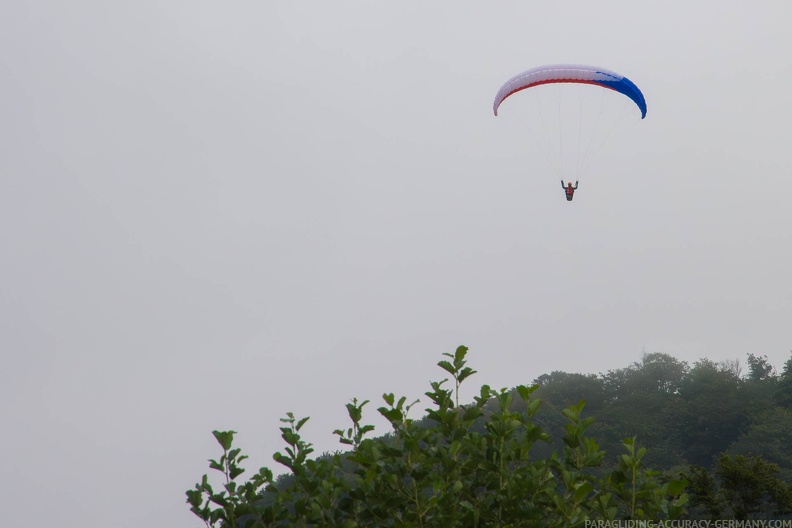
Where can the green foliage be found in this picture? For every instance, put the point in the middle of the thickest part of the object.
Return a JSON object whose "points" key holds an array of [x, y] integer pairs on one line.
{"points": [[457, 369], [354, 435], [640, 400], [643, 401], [466, 466], [710, 413], [703, 493], [769, 436], [759, 369], [639, 488], [685, 416], [751, 489], [783, 394], [741, 488], [233, 501]]}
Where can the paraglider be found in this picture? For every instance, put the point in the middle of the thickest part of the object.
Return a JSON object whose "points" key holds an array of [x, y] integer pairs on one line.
{"points": [[571, 127], [569, 191]]}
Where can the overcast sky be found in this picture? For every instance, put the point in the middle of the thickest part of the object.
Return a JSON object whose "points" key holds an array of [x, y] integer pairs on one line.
{"points": [[212, 213]]}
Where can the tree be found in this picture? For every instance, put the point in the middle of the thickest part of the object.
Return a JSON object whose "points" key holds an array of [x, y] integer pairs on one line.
{"points": [[442, 471], [704, 500], [760, 385], [562, 389], [751, 488], [769, 436], [655, 373], [759, 369], [783, 395], [641, 400], [741, 488], [710, 413]]}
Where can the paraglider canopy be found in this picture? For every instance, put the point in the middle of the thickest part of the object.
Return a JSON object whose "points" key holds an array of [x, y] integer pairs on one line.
{"points": [[571, 73]]}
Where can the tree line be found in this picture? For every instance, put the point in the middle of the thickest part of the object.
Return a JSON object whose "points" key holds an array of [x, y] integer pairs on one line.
{"points": [[687, 414]]}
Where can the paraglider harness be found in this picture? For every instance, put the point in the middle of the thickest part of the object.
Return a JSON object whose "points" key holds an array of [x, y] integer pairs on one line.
{"points": [[569, 190]]}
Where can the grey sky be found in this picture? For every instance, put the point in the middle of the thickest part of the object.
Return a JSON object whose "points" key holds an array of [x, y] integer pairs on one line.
{"points": [[212, 213]]}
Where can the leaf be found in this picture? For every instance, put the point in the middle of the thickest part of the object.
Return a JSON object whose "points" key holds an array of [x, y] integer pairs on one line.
{"points": [[235, 472], [466, 373], [290, 437], [675, 487], [460, 353], [224, 438], [559, 502], [571, 413], [281, 459], [219, 499], [471, 413], [355, 411], [217, 515], [448, 367], [301, 423], [532, 407], [195, 498], [582, 491], [525, 392], [394, 416]]}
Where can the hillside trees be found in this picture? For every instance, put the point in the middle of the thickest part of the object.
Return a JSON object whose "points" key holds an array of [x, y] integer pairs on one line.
{"points": [[741, 488], [769, 436], [642, 401], [783, 394], [711, 413]]}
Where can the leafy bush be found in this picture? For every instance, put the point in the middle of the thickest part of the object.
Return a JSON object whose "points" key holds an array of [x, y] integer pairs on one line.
{"points": [[467, 466]]}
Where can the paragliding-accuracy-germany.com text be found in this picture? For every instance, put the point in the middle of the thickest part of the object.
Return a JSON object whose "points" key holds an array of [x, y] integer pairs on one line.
{"points": [[689, 523]]}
